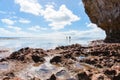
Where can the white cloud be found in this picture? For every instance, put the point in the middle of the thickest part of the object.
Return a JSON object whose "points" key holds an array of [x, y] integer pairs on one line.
{"points": [[24, 21], [59, 19], [92, 25], [92, 33], [29, 6], [2, 30], [8, 21], [15, 28], [36, 28]]}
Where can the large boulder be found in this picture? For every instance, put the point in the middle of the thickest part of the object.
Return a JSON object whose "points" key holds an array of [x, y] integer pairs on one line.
{"points": [[106, 14]]}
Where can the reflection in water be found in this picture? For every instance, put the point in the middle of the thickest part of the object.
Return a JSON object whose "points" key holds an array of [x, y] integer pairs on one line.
{"points": [[38, 43], [3, 66], [63, 74], [43, 71], [4, 52], [68, 40]]}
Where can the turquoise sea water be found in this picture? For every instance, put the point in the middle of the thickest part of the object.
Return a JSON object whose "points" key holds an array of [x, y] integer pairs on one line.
{"points": [[17, 43]]}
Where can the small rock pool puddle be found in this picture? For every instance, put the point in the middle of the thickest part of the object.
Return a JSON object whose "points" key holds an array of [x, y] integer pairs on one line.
{"points": [[45, 70], [4, 66]]}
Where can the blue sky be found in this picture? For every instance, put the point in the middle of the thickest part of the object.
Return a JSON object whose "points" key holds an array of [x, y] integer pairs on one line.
{"points": [[46, 18]]}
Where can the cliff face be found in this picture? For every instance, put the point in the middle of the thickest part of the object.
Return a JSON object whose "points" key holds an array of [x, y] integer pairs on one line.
{"points": [[106, 14]]}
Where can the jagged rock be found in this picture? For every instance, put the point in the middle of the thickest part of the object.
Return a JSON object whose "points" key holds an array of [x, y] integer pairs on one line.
{"points": [[35, 78], [6, 78], [100, 76], [10, 74], [28, 54], [62, 72], [117, 77], [56, 59], [53, 77], [83, 76], [37, 59], [110, 73], [106, 14]]}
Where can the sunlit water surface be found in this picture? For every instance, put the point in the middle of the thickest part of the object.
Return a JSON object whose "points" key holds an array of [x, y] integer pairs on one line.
{"points": [[17, 43]]}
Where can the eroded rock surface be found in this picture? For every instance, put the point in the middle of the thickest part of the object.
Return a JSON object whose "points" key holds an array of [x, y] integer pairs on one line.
{"points": [[28, 54], [106, 14], [73, 62]]}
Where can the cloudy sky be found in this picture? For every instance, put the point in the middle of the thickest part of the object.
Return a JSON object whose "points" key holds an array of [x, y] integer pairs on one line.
{"points": [[46, 18]]}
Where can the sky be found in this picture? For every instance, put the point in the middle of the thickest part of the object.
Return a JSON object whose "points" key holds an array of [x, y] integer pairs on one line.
{"points": [[46, 18]]}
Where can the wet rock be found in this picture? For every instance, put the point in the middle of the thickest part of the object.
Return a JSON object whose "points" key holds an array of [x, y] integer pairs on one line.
{"points": [[6, 78], [71, 79], [82, 76], [20, 54], [103, 59], [76, 53], [56, 59], [37, 59], [53, 77], [16, 78], [67, 55], [117, 77], [68, 47], [116, 67], [89, 61], [105, 55], [3, 59], [110, 73], [100, 76], [100, 53], [99, 65], [28, 54], [10, 74], [62, 72], [35, 78], [3, 51]]}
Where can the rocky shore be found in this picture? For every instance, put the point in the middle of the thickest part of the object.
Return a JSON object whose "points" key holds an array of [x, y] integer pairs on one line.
{"points": [[73, 62]]}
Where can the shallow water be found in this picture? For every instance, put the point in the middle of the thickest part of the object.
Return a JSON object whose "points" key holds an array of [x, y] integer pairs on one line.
{"points": [[17, 43], [45, 70], [5, 52], [3, 66]]}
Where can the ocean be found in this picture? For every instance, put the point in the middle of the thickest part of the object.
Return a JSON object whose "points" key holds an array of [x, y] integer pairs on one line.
{"points": [[16, 43]]}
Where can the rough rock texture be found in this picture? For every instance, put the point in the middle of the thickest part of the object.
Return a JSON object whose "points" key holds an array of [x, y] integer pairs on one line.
{"points": [[106, 14], [28, 54], [73, 62]]}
